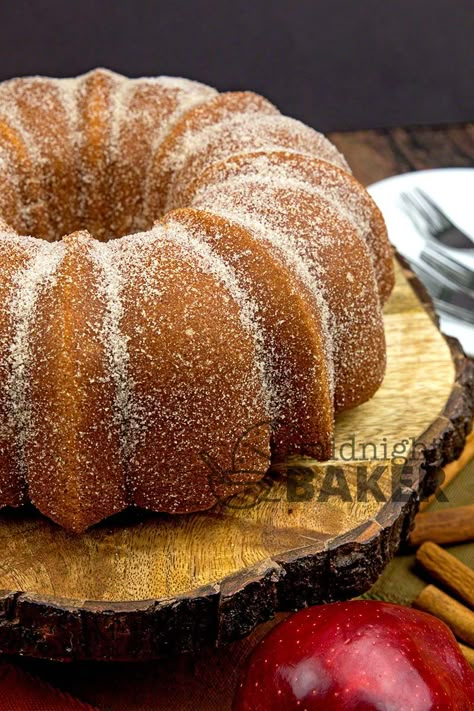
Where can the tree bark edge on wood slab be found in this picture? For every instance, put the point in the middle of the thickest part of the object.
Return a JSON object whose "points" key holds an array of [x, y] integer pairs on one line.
{"points": [[72, 630]]}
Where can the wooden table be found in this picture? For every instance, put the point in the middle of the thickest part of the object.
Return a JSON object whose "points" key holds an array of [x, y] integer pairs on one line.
{"points": [[374, 155], [205, 681]]}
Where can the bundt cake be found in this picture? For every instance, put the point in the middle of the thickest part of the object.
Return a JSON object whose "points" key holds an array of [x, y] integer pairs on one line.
{"points": [[202, 293]]}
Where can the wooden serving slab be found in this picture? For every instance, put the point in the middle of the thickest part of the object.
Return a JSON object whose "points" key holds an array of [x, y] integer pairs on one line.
{"points": [[152, 585]]}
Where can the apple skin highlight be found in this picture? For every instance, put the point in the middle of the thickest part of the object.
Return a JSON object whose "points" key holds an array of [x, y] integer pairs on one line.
{"points": [[357, 656]]}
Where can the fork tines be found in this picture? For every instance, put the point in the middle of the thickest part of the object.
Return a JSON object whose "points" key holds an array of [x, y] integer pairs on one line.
{"points": [[419, 204]]}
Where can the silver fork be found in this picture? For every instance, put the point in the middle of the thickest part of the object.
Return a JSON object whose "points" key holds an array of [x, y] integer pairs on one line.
{"points": [[447, 299], [452, 269], [431, 221]]}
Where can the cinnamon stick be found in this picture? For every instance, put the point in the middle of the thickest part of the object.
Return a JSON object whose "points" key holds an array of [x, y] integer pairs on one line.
{"points": [[457, 616], [468, 653], [448, 570], [444, 526]]}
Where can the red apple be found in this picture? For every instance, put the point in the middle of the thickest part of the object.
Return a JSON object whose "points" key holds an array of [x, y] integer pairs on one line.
{"points": [[357, 656]]}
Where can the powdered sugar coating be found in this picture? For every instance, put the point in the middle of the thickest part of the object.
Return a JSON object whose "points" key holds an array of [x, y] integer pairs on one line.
{"points": [[17, 254], [319, 177], [293, 339], [147, 370], [179, 416], [28, 283], [110, 288], [314, 237]]}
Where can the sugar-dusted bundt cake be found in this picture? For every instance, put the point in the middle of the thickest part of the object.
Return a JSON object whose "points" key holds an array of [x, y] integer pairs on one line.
{"points": [[201, 293]]}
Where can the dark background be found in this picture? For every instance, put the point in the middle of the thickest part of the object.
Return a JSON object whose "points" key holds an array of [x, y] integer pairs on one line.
{"points": [[336, 64]]}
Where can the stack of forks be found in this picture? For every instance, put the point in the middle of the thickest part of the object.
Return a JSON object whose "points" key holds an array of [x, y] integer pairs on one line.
{"points": [[449, 281]]}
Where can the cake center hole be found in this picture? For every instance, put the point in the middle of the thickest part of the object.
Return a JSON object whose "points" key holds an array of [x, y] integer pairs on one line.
{"points": [[108, 206]]}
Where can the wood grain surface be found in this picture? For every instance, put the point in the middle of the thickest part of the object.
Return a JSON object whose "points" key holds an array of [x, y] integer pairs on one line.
{"points": [[139, 587], [378, 154], [143, 586]]}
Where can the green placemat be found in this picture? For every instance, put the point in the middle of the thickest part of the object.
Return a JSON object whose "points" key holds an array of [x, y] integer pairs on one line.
{"points": [[402, 580]]}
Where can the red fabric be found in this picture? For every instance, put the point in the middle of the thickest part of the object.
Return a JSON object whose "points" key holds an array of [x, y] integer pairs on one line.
{"points": [[21, 692]]}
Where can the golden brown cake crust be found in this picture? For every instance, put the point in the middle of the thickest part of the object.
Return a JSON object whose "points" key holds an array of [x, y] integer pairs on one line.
{"points": [[73, 464], [164, 369], [40, 108], [322, 178], [293, 335], [196, 383], [15, 255]]}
